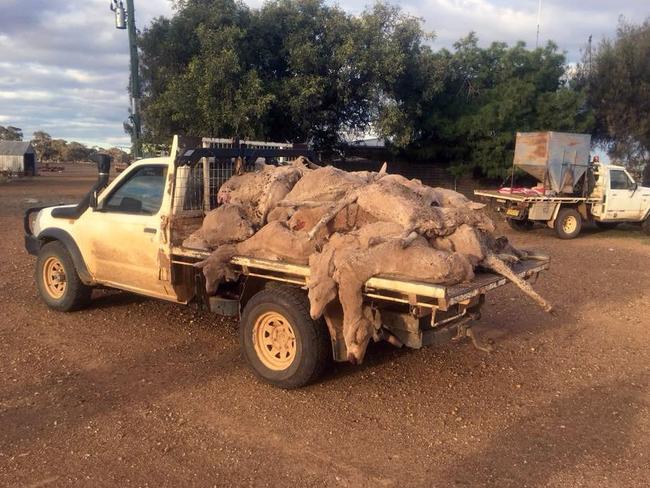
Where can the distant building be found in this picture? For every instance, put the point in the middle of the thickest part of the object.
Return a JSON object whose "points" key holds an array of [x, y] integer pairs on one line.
{"points": [[17, 157], [369, 142]]}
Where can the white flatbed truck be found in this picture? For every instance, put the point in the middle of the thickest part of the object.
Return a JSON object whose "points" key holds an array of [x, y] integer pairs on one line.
{"points": [[128, 235], [615, 199], [573, 189]]}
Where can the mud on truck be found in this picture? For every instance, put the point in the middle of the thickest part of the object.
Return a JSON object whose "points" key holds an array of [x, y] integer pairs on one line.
{"points": [[128, 234], [572, 188]]}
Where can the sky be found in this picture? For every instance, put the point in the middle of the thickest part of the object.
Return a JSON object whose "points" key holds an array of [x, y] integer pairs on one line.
{"points": [[64, 68]]}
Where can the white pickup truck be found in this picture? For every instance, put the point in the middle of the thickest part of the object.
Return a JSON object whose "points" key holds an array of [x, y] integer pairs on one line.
{"points": [[128, 235], [571, 190], [616, 198]]}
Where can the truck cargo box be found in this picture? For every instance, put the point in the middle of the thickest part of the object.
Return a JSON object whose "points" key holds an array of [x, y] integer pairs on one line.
{"points": [[558, 159]]}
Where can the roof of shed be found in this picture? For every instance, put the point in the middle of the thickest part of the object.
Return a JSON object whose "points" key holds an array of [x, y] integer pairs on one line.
{"points": [[15, 148]]}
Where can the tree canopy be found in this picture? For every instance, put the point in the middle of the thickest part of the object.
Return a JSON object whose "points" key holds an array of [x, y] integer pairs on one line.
{"points": [[303, 70], [483, 96], [10, 133], [49, 149], [618, 82], [290, 70]]}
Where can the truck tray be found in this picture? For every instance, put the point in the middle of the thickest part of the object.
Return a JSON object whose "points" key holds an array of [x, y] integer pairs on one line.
{"points": [[384, 287], [514, 197]]}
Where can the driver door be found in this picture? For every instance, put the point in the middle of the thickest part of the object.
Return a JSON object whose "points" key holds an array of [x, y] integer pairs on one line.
{"points": [[123, 234], [623, 204]]}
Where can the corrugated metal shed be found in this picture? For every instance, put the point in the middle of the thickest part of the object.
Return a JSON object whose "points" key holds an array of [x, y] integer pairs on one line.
{"points": [[17, 157]]}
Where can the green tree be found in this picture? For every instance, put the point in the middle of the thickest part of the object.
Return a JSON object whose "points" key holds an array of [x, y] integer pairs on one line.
{"points": [[618, 81], [42, 143], [302, 70], [10, 133], [483, 96], [58, 150], [75, 151], [291, 70]]}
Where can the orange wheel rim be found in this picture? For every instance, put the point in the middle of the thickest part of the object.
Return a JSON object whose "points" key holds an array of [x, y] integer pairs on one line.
{"points": [[274, 341], [54, 277]]}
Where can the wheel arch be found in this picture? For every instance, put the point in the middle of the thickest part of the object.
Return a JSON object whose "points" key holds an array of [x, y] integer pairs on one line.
{"points": [[561, 206], [60, 235]]}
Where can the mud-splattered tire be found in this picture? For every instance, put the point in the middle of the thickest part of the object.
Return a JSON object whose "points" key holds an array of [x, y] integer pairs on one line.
{"points": [[520, 225], [568, 223], [57, 280], [281, 342]]}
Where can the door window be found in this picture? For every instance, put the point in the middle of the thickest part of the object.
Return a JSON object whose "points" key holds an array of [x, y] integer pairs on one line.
{"points": [[141, 193], [618, 180]]}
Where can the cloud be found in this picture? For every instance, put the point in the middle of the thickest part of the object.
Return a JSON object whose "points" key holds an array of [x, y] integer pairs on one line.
{"points": [[569, 24], [64, 66]]}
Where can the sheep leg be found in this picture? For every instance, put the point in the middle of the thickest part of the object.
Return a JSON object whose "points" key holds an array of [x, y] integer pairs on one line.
{"points": [[497, 265], [407, 238], [331, 213]]}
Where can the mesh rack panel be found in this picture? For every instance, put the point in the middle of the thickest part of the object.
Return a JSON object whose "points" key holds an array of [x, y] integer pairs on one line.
{"points": [[192, 194]]}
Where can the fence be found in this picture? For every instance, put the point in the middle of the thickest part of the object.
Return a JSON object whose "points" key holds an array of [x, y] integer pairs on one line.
{"points": [[431, 174]]}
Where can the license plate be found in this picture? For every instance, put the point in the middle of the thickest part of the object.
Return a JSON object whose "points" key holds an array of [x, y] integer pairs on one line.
{"points": [[513, 212]]}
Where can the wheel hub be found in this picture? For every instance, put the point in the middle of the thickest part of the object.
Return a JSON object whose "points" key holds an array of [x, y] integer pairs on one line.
{"points": [[570, 224], [274, 341], [54, 277]]}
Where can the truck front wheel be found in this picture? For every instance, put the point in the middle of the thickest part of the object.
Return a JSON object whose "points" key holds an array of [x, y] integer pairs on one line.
{"points": [[57, 280], [281, 342], [568, 223]]}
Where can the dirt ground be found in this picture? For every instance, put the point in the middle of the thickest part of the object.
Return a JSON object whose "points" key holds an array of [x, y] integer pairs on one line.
{"points": [[139, 392]]}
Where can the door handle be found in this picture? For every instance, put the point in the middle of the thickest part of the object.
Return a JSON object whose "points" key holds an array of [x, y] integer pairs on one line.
{"points": [[150, 230]]}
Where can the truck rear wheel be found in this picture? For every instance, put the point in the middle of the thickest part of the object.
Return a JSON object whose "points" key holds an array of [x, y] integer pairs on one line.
{"points": [[281, 342], [568, 223], [57, 280]]}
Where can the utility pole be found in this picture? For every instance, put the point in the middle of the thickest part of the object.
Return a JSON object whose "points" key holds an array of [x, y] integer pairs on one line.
{"points": [[125, 19]]}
